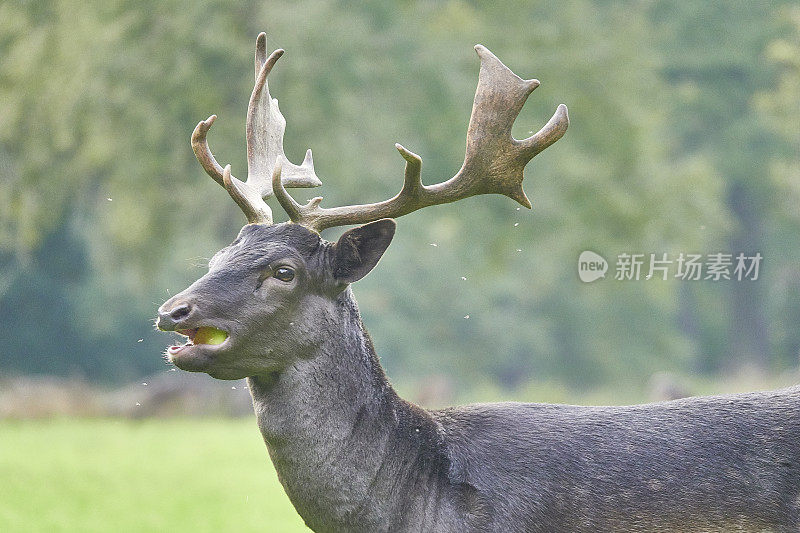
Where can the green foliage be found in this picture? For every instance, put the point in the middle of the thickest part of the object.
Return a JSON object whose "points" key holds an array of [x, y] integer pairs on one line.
{"points": [[683, 138]]}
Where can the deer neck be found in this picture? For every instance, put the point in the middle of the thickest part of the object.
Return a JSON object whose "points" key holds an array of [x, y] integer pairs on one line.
{"points": [[334, 427]]}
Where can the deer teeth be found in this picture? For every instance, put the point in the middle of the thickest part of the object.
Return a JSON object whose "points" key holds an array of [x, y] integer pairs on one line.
{"points": [[190, 333]]}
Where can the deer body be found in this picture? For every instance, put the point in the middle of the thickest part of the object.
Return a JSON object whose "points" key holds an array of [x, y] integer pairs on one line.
{"points": [[353, 456], [276, 307]]}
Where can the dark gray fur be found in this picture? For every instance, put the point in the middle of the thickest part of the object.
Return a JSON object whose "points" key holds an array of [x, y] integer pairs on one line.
{"points": [[354, 456]]}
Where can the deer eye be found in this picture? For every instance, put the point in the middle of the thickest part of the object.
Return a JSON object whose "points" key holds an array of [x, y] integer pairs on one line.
{"points": [[284, 274]]}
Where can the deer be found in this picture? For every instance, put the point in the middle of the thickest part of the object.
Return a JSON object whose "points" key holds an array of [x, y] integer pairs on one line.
{"points": [[276, 307]]}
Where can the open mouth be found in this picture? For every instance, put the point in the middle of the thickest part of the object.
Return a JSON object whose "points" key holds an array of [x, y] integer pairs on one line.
{"points": [[204, 335]]}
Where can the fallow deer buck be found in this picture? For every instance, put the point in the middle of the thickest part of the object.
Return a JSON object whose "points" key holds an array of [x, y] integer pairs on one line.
{"points": [[276, 307]]}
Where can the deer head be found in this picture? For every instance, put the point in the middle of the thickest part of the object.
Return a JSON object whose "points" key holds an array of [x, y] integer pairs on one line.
{"points": [[267, 297]]}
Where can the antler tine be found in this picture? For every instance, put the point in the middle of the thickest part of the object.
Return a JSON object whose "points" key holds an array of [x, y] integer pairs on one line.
{"points": [[203, 152], [555, 128], [493, 164], [265, 128], [264, 131], [261, 52], [410, 198], [253, 205]]}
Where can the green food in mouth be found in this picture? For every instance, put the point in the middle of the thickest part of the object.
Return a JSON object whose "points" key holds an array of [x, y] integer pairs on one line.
{"points": [[209, 335]]}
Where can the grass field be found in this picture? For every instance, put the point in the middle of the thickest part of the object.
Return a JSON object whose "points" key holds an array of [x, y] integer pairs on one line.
{"points": [[196, 475], [153, 475]]}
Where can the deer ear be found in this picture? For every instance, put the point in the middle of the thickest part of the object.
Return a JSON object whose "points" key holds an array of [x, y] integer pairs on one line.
{"points": [[358, 250]]}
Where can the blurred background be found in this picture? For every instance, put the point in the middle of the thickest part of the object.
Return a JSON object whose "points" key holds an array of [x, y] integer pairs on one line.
{"points": [[684, 138]]}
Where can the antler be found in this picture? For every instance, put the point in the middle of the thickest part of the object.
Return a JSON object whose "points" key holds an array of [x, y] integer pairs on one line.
{"points": [[494, 160], [265, 128]]}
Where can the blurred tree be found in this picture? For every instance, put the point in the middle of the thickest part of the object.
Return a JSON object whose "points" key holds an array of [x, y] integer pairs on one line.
{"points": [[94, 152], [105, 209], [712, 54], [779, 108]]}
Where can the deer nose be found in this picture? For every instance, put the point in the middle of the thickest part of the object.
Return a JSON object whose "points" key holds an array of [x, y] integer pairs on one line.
{"points": [[170, 315]]}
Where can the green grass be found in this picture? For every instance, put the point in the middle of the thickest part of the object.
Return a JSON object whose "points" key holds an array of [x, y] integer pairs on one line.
{"points": [[196, 475], [153, 475]]}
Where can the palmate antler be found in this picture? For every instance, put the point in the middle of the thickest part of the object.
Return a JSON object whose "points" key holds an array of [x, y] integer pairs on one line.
{"points": [[493, 164], [494, 160], [265, 128]]}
